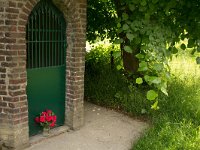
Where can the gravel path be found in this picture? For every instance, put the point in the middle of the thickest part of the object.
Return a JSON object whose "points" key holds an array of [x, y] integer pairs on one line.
{"points": [[103, 130]]}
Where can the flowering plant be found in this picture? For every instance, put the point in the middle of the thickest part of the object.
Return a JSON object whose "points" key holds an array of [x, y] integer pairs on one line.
{"points": [[47, 119]]}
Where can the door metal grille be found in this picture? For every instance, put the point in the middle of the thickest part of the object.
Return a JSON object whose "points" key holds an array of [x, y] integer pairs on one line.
{"points": [[46, 40]]}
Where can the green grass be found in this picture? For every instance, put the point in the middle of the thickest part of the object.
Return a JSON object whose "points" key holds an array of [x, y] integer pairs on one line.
{"points": [[175, 126]]}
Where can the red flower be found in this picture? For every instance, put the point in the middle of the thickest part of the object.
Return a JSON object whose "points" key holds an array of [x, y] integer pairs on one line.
{"points": [[52, 124], [48, 118], [54, 118], [48, 111], [37, 119], [43, 113], [42, 119]]}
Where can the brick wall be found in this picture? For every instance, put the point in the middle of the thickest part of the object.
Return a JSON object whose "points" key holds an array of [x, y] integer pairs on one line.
{"points": [[13, 77]]}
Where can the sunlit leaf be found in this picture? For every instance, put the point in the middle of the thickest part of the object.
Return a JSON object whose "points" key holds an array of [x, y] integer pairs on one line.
{"points": [[139, 80], [155, 80], [119, 67], [155, 106], [152, 95], [164, 90], [143, 66], [158, 67]]}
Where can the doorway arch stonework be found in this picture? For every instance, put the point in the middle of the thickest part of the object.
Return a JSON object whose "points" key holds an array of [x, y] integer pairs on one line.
{"points": [[14, 130]]}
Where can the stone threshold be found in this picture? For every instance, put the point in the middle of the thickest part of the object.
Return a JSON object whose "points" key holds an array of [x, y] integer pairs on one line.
{"points": [[53, 132]]}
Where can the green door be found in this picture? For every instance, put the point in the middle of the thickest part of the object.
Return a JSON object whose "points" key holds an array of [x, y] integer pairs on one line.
{"points": [[46, 45]]}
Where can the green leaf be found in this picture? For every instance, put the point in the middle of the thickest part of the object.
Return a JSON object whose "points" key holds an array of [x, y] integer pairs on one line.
{"points": [[154, 1], [125, 27], [198, 60], [139, 56], [164, 90], [155, 106], [193, 51], [145, 40], [119, 67], [143, 3], [124, 16], [130, 36], [117, 54], [154, 79], [158, 67], [146, 78], [174, 50], [137, 40], [191, 43], [119, 25], [118, 41], [143, 111], [143, 66], [183, 47], [131, 7], [128, 49], [147, 16], [198, 49], [136, 1], [143, 47], [152, 95], [139, 81]]}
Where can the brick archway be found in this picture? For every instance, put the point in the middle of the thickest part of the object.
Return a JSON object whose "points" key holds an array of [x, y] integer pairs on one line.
{"points": [[13, 98]]}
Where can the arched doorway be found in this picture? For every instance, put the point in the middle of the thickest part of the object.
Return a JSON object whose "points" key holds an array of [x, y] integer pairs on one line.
{"points": [[46, 46]]}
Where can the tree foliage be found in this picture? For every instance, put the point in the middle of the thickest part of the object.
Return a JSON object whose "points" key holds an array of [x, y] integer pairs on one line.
{"points": [[147, 31]]}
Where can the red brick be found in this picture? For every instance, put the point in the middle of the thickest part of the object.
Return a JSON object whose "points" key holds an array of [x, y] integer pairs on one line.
{"points": [[1, 22], [3, 76], [25, 10], [12, 16], [12, 4], [7, 40], [23, 17], [10, 22], [11, 99], [22, 22], [20, 5], [1, 9], [12, 10], [3, 104], [2, 70], [2, 81], [2, 58], [8, 64], [29, 5]]}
